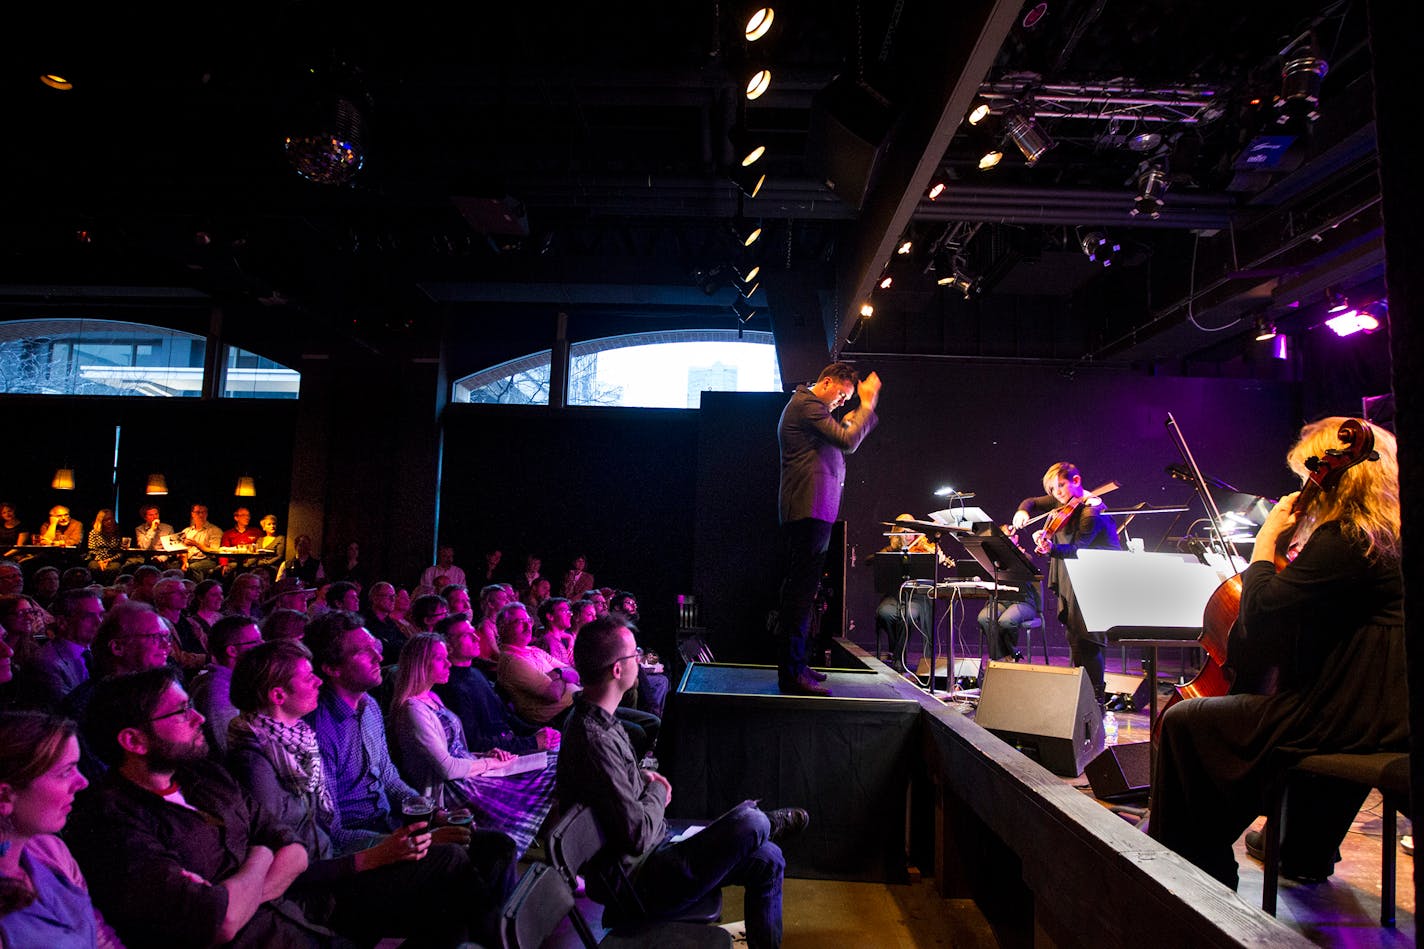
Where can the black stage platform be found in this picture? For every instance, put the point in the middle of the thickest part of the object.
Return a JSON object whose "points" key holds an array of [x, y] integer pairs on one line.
{"points": [[845, 758]]}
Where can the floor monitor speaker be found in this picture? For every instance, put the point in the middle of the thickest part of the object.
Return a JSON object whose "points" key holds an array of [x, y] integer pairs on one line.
{"points": [[1047, 712]]}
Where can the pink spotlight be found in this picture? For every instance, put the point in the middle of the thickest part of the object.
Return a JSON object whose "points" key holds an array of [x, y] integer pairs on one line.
{"points": [[1353, 321]]}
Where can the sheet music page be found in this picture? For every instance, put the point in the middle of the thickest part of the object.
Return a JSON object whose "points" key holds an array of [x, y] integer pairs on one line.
{"points": [[1152, 590], [537, 761]]}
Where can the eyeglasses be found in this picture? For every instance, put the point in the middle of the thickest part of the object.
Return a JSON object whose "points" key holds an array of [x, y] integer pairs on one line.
{"points": [[248, 644], [184, 709], [631, 655], [152, 636], [35, 612]]}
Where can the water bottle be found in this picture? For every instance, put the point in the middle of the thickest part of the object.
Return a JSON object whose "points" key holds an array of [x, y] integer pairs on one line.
{"points": [[1109, 729]]}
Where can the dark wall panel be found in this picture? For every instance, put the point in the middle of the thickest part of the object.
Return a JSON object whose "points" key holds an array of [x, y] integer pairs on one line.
{"points": [[618, 486]]}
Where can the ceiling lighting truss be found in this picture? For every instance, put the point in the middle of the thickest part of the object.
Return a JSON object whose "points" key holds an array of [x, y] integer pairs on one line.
{"points": [[1105, 101]]}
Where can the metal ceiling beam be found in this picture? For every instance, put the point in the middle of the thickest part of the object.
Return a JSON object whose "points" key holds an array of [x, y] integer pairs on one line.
{"points": [[1048, 205], [973, 34]]}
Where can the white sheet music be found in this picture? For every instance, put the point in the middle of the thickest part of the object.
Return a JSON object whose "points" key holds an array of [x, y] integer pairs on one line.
{"points": [[1159, 591]]}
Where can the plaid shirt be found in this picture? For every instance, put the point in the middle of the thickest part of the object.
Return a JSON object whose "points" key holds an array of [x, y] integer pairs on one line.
{"points": [[358, 768]]}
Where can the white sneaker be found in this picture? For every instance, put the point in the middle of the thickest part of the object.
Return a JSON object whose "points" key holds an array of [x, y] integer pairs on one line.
{"points": [[1406, 843]]}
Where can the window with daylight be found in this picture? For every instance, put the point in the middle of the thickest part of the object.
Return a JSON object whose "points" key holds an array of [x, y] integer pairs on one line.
{"points": [[522, 381], [671, 369], [113, 357]]}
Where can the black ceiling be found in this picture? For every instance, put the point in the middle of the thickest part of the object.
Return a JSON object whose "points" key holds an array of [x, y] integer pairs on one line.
{"points": [[604, 128]]}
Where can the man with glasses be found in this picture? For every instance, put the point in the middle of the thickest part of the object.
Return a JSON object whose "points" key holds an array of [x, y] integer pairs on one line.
{"points": [[173, 852], [598, 768], [60, 530], [379, 621], [132, 638], [229, 638]]}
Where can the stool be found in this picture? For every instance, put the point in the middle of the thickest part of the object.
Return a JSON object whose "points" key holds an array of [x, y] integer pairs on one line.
{"points": [[1027, 627], [1386, 770]]}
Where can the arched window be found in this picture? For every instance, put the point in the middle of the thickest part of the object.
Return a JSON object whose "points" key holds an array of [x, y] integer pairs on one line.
{"points": [[113, 357], [522, 381]]}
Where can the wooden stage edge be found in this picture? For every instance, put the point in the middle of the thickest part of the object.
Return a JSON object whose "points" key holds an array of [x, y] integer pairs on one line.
{"points": [[1047, 864]]}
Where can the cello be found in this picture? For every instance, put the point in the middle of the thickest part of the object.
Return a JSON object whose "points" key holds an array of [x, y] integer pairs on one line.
{"points": [[1222, 609]]}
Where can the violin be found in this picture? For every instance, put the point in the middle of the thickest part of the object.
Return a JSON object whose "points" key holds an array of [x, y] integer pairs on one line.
{"points": [[1221, 612], [1060, 515]]}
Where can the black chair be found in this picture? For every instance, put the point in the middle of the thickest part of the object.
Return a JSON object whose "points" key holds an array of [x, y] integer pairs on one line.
{"points": [[542, 900], [1388, 771], [574, 842]]}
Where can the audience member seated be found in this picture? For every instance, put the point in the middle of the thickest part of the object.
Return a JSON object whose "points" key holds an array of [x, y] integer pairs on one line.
{"points": [[430, 745], [241, 534], [584, 613], [271, 546], [524, 580], [12, 578], [245, 596], [457, 597], [203, 540], [349, 567], [150, 532], [490, 573], [106, 547], [44, 587], [471, 696], [444, 567], [7, 674], [231, 636], [536, 594], [12, 532], [389, 888], [599, 600], [289, 593], [21, 621], [577, 581], [44, 900], [145, 579], [303, 566], [380, 619], [426, 611], [401, 611], [600, 769], [650, 695], [60, 530], [556, 617], [540, 690], [190, 647], [284, 624], [345, 596], [207, 604], [62, 664], [177, 856], [366, 789]]}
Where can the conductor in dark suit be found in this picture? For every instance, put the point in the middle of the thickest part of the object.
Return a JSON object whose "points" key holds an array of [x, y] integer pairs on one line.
{"points": [[814, 444]]}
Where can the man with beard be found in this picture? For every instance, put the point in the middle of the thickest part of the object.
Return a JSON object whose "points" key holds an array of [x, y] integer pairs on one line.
{"points": [[176, 857]]}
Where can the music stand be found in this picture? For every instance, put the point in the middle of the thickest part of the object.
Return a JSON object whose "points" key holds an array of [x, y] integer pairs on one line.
{"points": [[934, 532], [1142, 599], [1003, 561]]}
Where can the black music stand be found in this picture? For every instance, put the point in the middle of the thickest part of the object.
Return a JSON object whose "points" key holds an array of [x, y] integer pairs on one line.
{"points": [[1003, 561], [934, 531], [893, 569]]}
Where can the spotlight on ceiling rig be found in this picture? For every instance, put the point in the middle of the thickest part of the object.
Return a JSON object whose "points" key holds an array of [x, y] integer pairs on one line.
{"points": [[1031, 140], [744, 309], [1302, 75], [1099, 248], [1151, 186]]}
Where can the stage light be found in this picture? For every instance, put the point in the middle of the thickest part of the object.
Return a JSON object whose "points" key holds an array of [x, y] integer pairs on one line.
{"points": [[886, 282], [751, 275], [1151, 186], [1031, 140], [905, 247], [936, 190], [1353, 321], [990, 159], [979, 113], [1302, 75], [56, 81], [748, 180], [751, 235], [759, 83], [743, 308], [759, 23], [1099, 248], [1265, 329], [63, 479], [157, 484], [866, 311]]}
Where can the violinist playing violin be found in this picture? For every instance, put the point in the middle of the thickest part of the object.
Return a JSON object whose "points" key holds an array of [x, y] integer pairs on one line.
{"points": [[1087, 524], [1328, 627]]}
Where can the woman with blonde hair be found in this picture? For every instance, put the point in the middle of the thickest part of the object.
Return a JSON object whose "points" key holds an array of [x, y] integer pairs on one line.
{"points": [[1318, 651], [44, 900], [428, 743]]}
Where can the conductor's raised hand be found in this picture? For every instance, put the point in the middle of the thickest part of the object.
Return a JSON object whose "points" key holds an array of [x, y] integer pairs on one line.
{"points": [[869, 390]]}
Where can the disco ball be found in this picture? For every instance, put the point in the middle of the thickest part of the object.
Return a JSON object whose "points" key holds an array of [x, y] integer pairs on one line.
{"points": [[333, 149]]}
